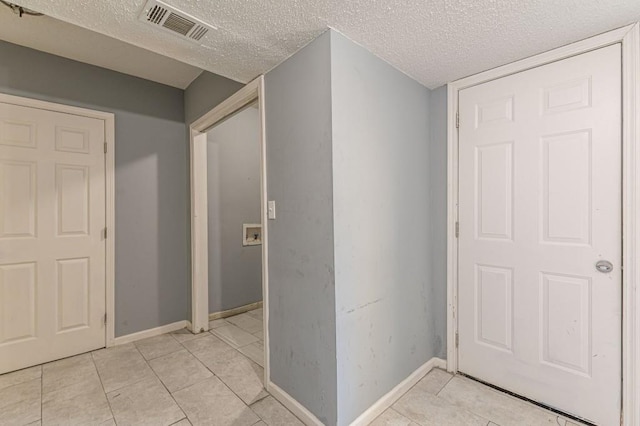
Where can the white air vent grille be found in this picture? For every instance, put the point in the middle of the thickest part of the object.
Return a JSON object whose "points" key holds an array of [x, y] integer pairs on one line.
{"points": [[168, 18], [156, 14]]}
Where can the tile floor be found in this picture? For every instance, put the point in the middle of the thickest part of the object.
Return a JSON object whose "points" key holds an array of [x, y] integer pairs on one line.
{"points": [[216, 378]]}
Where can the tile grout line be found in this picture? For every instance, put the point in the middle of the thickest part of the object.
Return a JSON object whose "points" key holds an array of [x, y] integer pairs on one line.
{"points": [[445, 385], [162, 383], [237, 349], [93, 361], [224, 383]]}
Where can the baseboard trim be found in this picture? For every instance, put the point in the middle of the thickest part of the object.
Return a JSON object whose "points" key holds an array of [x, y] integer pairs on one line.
{"points": [[235, 311], [152, 332], [292, 405], [394, 394]]}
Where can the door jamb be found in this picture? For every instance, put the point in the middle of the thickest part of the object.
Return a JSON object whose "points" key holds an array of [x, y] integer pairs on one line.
{"points": [[199, 208], [629, 37], [109, 170]]}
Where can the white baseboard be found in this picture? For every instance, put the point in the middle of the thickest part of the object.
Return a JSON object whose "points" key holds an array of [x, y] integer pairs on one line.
{"points": [[394, 394], [292, 405], [235, 311], [151, 332]]}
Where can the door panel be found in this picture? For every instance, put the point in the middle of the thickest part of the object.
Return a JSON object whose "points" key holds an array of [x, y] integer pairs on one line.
{"points": [[52, 249], [539, 204]]}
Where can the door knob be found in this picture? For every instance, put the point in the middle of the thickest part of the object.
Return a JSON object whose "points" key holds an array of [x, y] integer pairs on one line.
{"points": [[604, 266]]}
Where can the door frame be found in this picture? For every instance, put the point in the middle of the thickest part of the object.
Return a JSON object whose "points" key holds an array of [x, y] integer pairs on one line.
{"points": [[253, 91], [109, 176], [629, 37]]}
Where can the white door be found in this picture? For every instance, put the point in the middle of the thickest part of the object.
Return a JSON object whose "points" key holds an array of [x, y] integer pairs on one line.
{"points": [[52, 248], [539, 205]]}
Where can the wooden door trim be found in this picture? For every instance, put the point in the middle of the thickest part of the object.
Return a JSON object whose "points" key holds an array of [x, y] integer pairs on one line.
{"points": [[629, 37]]}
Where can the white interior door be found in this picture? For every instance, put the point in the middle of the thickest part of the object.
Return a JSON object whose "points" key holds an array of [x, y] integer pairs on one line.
{"points": [[52, 248], [539, 205]]}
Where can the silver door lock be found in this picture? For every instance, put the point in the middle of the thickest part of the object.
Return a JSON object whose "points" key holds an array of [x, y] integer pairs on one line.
{"points": [[604, 266]]}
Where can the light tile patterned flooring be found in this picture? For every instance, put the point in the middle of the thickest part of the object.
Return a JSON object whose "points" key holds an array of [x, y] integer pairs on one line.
{"points": [[216, 379]]}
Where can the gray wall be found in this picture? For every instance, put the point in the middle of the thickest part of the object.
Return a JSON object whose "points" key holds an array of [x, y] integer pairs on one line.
{"points": [[301, 272], [205, 92], [438, 217], [381, 191], [152, 266], [233, 164]]}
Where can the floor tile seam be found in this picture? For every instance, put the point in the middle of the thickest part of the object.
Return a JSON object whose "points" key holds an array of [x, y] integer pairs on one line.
{"points": [[227, 341], [130, 383], [201, 381], [468, 410], [22, 401], [224, 339], [69, 385], [195, 336], [171, 396], [194, 352], [118, 357], [191, 384], [164, 354], [457, 406], [246, 330], [446, 383], [23, 383], [238, 396], [103, 390], [472, 411], [274, 398], [416, 384]]}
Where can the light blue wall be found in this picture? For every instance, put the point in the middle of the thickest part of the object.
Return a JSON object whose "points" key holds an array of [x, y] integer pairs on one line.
{"points": [[381, 174], [205, 92], [301, 273], [356, 252], [151, 176], [438, 217], [233, 165]]}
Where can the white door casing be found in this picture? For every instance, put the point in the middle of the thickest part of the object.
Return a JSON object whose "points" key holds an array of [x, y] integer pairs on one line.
{"points": [[540, 202], [52, 240], [251, 92]]}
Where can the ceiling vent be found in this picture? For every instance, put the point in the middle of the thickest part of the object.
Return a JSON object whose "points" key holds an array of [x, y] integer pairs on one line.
{"points": [[161, 15]]}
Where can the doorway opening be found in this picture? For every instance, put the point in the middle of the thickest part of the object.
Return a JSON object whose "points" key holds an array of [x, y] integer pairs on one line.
{"points": [[235, 232], [228, 236]]}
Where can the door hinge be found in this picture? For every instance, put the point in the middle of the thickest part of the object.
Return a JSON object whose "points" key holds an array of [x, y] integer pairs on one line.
{"points": [[457, 229], [105, 233], [105, 147], [457, 339], [457, 120], [105, 319]]}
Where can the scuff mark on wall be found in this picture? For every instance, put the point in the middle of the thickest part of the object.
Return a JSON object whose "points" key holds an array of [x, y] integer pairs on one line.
{"points": [[364, 306]]}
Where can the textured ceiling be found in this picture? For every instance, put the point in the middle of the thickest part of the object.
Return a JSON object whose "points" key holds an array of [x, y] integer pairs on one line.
{"points": [[434, 41], [63, 39]]}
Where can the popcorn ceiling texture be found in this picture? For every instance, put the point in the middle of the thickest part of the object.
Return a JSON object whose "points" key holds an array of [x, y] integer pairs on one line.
{"points": [[70, 41], [433, 41]]}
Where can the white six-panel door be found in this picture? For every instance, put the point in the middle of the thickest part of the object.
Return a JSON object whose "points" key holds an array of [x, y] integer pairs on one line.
{"points": [[539, 205], [52, 248]]}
